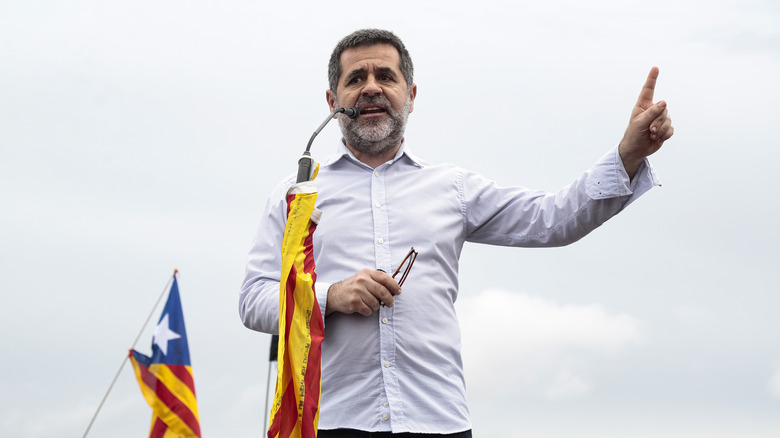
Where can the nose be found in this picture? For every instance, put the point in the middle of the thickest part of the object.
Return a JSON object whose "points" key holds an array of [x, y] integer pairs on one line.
{"points": [[371, 87]]}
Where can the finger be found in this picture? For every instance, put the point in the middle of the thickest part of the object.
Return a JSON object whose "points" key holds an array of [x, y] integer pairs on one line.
{"points": [[381, 294], [645, 99], [387, 281], [372, 301], [657, 125], [646, 118], [665, 131], [344, 297], [366, 310]]}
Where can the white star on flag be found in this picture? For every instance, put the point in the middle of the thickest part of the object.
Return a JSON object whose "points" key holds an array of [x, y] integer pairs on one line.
{"points": [[163, 334]]}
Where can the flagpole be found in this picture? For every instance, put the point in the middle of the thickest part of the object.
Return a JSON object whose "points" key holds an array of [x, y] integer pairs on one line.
{"points": [[266, 414], [116, 377], [105, 396], [273, 356]]}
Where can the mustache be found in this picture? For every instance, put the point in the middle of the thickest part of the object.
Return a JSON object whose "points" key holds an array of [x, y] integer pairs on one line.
{"points": [[380, 100]]}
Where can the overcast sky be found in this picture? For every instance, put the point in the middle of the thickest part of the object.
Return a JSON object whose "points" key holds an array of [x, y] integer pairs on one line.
{"points": [[142, 136]]}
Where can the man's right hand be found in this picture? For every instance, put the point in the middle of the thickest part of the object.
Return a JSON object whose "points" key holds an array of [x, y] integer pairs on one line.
{"points": [[362, 293]]}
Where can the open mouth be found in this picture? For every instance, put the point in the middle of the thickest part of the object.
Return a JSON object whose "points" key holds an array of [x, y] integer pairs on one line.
{"points": [[371, 110]]}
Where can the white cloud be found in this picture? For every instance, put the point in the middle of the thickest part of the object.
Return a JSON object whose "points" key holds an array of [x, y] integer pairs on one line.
{"points": [[544, 345]]}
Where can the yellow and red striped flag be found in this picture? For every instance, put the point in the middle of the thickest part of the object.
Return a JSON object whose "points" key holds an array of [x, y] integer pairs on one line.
{"points": [[166, 378], [295, 411]]}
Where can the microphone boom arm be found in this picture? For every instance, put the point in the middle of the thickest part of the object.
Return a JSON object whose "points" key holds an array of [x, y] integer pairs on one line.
{"points": [[306, 161]]}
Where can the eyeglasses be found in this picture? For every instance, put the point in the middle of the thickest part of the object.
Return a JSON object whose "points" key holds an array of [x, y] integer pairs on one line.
{"points": [[406, 266]]}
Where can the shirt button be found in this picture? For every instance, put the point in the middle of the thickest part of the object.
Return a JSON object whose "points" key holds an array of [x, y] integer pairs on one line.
{"points": [[378, 205], [385, 417], [387, 364], [384, 320], [386, 404], [376, 173], [381, 240]]}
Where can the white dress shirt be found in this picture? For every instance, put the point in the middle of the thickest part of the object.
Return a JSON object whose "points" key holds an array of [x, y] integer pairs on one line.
{"points": [[400, 369]]}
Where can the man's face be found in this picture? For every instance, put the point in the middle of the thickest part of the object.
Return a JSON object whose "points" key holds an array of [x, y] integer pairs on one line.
{"points": [[371, 79]]}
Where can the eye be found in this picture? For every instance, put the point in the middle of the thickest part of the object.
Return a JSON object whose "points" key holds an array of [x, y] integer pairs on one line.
{"points": [[385, 77], [354, 80]]}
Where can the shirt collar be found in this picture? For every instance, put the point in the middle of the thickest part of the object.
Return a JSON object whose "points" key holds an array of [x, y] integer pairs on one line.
{"points": [[343, 152]]}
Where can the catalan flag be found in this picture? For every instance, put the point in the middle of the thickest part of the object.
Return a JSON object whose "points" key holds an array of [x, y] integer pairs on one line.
{"points": [[295, 411], [166, 377]]}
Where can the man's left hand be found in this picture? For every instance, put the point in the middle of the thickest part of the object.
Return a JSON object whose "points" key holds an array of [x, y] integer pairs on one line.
{"points": [[650, 126]]}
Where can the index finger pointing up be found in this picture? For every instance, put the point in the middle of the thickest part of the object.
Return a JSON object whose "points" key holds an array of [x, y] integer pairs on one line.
{"points": [[645, 100]]}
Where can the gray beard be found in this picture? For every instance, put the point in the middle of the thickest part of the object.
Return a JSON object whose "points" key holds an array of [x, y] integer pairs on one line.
{"points": [[376, 136]]}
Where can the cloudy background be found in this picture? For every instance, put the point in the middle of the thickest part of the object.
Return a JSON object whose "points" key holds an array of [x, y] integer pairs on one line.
{"points": [[141, 136]]}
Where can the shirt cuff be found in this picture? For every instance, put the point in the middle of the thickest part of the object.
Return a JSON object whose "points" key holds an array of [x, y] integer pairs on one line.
{"points": [[321, 289], [608, 179]]}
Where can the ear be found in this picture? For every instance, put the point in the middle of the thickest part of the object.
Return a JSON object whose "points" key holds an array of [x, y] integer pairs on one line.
{"points": [[412, 95], [331, 98]]}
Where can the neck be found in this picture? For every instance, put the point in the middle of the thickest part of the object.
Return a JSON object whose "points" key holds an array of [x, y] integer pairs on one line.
{"points": [[374, 159]]}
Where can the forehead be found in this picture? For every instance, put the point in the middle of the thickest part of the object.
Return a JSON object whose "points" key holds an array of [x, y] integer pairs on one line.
{"points": [[370, 57]]}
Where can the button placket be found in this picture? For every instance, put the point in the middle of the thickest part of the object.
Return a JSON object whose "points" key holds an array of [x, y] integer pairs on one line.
{"points": [[382, 243]]}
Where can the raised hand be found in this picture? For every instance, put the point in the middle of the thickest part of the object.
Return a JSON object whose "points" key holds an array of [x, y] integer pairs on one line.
{"points": [[650, 126]]}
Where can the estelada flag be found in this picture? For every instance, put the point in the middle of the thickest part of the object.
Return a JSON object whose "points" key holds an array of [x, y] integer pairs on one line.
{"points": [[166, 377], [295, 411]]}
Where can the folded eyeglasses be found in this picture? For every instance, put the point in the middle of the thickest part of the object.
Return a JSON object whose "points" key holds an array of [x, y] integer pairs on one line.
{"points": [[405, 266]]}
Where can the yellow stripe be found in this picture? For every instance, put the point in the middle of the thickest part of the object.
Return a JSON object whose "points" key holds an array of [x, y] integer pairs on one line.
{"points": [[176, 386], [169, 433]]}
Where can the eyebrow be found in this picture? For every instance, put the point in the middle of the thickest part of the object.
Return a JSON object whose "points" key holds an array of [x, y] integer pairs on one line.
{"points": [[386, 70], [361, 71]]}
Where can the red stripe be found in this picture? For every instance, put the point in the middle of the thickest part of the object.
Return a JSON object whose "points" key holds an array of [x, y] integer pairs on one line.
{"points": [[289, 421], [182, 373], [314, 369], [290, 305], [290, 199], [158, 431], [171, 401], [289, 288], [308, 251], [284, 424], [311, 402], [274, 428]]}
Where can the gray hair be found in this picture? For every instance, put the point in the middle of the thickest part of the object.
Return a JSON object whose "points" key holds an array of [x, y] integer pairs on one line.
{"points": [[369, 37]]}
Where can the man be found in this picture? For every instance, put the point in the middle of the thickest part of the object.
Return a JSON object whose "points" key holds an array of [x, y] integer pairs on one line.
{"points": [[391, 361]]}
